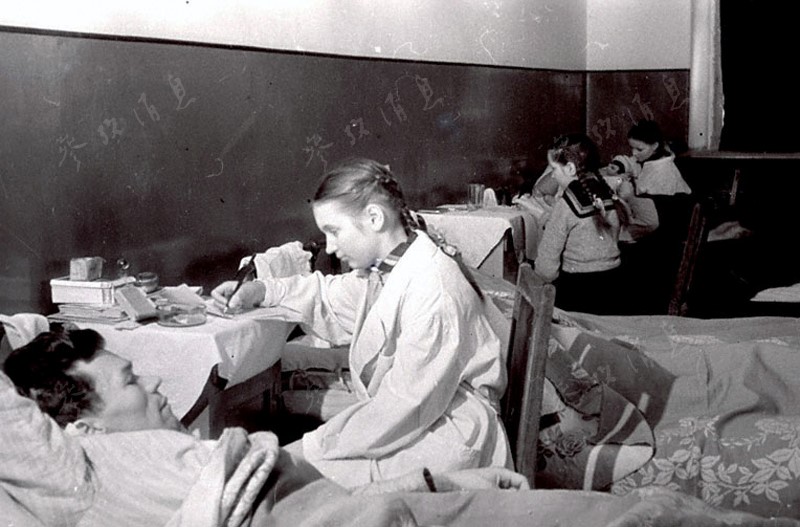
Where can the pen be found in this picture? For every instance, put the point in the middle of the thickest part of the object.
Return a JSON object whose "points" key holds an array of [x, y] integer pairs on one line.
{"points": [[243, 273]]}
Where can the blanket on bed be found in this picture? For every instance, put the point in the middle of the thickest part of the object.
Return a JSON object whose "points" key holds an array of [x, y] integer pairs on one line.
{"points": [[162, 477], [728, 430]]}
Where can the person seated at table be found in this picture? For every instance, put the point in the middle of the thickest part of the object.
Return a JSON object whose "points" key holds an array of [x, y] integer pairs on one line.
{"points": [[426, 351], [578, 250], [544, 192], [661, 202], [124, 459], [620, 174]]}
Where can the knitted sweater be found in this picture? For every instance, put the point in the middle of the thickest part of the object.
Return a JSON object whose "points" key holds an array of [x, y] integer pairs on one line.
{"points": [[575, 244]]}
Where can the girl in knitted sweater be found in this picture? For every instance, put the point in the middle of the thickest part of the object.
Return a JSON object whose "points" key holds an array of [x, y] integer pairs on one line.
{"points": [[578, 251]]}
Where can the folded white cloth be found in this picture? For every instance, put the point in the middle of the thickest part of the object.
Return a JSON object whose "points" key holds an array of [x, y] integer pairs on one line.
{"points": [[23, 327], [489, 198], [288, 259]]}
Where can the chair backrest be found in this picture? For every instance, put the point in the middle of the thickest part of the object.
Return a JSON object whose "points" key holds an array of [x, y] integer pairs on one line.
{"points": [[526, 363]]}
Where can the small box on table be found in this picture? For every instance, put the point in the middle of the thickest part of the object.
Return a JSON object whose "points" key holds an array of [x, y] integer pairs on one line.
{"points": [[63, 290]]}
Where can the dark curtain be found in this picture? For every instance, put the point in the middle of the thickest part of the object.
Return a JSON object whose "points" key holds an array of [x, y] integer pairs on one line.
{"points": [[760, 52]]}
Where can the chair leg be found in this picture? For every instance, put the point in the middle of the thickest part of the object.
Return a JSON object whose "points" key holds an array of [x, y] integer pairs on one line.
{"points": [[695, 239]]}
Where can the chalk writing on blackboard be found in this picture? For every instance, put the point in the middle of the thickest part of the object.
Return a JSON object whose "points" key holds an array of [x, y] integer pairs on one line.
{"points": [[316, 149], [393, 100], [151, 110], [179, 91], [674, 92], [113, 127], [67, 147], [221, 168], [597, 134], [356, 124], [356, 129], [427, 92]]}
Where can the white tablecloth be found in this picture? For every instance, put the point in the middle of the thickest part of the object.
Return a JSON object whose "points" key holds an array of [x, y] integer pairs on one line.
{"points": [[477, 232], [183, 357]]}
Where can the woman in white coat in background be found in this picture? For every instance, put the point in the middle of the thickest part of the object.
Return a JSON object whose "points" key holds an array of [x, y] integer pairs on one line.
{"points": [[427, 354]]}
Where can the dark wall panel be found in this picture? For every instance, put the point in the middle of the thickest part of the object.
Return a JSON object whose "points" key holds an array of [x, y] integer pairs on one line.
{"points": [[181, 158], [615, 100]]}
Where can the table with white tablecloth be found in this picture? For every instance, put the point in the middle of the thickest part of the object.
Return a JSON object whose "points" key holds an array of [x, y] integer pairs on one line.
{"points": [[480, 234], [183, 357]]}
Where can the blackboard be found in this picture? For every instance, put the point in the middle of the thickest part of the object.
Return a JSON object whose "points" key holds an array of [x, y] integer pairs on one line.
{"points": [[182, 158], [616, 100]]}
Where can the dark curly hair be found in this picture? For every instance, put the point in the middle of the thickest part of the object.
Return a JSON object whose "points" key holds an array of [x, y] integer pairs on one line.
{"points": [[41, 371]]}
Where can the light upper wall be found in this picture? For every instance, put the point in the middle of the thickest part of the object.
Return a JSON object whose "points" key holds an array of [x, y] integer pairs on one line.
{"points": [[638, 34], [526, 33], [553, 34]]}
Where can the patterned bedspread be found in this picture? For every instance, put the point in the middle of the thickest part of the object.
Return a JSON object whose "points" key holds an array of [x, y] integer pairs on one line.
{"points": [[727, 428]]}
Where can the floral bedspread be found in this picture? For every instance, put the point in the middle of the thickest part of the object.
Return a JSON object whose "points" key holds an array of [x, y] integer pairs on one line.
{"points": [[728, 430]]}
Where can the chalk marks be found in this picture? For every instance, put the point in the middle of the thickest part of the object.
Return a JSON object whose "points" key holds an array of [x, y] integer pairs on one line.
{"points": [[315, 148], [410, 46], [481, 41], [21, 241], [391, 110], [113, 128], [53, 103], [671, 85], [221, 168], [355, 124], [601, 45], [179, 91], [598, 128], [68, 147]]}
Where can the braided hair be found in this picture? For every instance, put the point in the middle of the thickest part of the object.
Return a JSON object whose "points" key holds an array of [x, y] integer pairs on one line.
{"points": [[582, 152], [357, 182]]}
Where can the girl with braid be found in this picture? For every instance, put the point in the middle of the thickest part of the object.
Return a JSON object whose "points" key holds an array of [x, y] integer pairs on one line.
{"points": [[427, 353], [578, 251]]}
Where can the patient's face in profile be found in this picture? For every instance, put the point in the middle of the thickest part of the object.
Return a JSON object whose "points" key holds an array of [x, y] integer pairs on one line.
{"points": [[127, 402]]}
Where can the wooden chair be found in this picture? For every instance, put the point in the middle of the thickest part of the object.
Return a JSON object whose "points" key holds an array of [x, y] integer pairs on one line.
{"points": [[526, 362], [696, 237]]}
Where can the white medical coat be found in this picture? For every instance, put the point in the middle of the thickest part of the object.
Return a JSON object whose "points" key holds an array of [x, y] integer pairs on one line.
{"points": [[428, 367]]}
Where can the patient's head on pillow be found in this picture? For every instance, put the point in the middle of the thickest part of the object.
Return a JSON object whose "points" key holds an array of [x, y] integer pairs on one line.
{"points": [[75, 380]]}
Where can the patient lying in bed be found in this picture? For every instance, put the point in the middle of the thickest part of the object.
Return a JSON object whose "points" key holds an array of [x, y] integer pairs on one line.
{"points": [[123, 460]]}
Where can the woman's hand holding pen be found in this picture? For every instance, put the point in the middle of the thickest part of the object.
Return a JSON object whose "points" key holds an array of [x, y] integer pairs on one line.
{"points": [[250, 294]]}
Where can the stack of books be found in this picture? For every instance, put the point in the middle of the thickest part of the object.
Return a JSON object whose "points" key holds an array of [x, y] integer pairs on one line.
{"points": [[106, 314]]}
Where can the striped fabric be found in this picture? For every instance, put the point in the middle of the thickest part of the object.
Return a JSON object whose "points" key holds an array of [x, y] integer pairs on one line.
{"points": [[600, 434]]}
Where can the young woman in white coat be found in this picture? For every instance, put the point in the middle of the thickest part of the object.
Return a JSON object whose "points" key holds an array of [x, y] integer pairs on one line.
{"points": [[427, 355]]}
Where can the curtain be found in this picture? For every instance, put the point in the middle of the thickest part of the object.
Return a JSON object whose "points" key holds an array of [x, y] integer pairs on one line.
{"points": [[706, 106]]}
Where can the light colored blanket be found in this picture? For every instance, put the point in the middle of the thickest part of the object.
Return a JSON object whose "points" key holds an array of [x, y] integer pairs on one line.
{"points": [[163, 477], [226, 490]]}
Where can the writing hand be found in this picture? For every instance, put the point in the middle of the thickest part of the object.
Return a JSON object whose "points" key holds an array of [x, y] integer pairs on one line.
{"points": [[250, 294]]}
